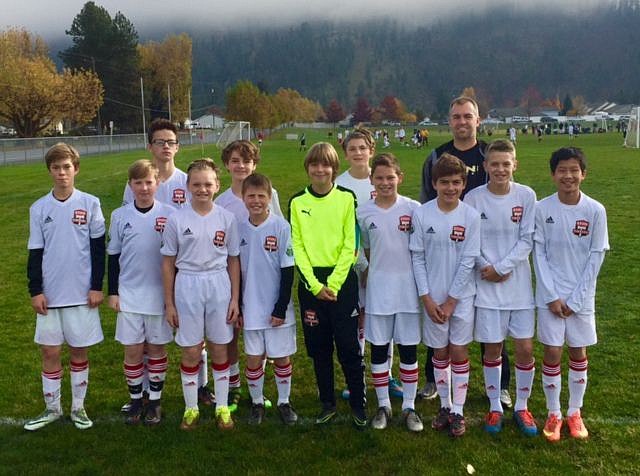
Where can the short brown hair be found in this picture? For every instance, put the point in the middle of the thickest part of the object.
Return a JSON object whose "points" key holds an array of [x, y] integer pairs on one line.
{"points": [[62, 151], [141, 169], [247, 149], [323, 152], [448, 165], [360, 133], [257, 181], [386, 159], [161, 125], [202, 164], [500, 145], [463, 100]]}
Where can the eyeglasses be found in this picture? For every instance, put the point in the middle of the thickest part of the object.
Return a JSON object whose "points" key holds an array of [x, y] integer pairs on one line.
{"points": [[162, 142]]}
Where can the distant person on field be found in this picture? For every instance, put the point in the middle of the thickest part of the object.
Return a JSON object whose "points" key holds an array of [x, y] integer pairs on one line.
{"points": [[303, 142], [65, 271]]}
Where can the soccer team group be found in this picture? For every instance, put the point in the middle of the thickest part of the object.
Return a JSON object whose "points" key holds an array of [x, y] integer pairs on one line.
{"points": [[382, 267]]}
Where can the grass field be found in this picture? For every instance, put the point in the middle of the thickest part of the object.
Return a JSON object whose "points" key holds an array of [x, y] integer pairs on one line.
{"points": [[611, 404]]}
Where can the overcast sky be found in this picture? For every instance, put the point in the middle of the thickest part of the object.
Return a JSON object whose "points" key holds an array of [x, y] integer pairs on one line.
{"points": [[50, 18]]}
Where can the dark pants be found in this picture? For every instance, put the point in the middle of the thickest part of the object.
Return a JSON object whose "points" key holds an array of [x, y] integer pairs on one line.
{"points": [[325, 323], [505, 377]]}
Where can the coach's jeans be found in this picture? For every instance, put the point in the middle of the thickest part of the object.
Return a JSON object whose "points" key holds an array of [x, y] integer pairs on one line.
{"points": [[325, 323]]}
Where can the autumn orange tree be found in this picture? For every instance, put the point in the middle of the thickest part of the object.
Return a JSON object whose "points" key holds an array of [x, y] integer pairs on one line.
{"points": [[33, 95], [166, 66]]}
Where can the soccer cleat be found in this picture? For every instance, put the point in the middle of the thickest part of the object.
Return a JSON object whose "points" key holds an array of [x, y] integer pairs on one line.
{"points": [[525, 421], [235, 395], [134, 414], [505, 398], [287, 414], [346, 394], [428, 392], [257, 414], [80, 419], [153, 413], [412, 420], [223, 415], [42, 420], [359, 417], [493, 422], [145, 399], [457, 425], [441, 420], [325, 415], [267, 402], [206, 396], [395, 388], [552, 428], [190, 419], [381, 420], [576, 426]]}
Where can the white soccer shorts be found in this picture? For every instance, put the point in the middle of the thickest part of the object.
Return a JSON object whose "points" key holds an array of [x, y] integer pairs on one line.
{"points": [[403, 328], [78, 326], [134, 328], [492, 326], [458, 330], [577, 330], [276, 342]]}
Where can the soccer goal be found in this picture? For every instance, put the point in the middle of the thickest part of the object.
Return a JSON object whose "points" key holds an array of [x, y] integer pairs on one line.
{"points": [[234, 131], [632, 139]]}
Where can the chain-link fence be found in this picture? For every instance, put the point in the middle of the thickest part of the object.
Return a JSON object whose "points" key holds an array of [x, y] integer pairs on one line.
{"points": [[16, 151]]}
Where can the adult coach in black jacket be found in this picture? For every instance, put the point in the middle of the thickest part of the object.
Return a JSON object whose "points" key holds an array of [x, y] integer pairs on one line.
{"points": [[463, 122]]}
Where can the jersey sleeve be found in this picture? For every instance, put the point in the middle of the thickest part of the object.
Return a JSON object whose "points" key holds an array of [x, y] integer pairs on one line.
{"points": [[348, 250], [464, 274], [522, 248], [169, 245], [115, 240], [36, 236], [233, 243], [286, 251], [544, 277], [97, 224], [274, 206], [416, 246]]}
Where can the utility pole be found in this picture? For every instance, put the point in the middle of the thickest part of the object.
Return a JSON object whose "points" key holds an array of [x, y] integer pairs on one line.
{"points": [[144, 125], [169, 98]]}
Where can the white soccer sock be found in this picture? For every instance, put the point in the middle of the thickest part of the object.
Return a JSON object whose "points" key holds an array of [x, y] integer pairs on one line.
{"points": [[79, 383], [283, 382], [442, 375], [577, 384], [189, 377], [157, 375], [221, 384], [203, 373], [51, 382], [133, 375], [255, 382], [460, 384], [234, 375], [551, 385], [492, 370], [409, 378], [524, 382], [380, 377]]}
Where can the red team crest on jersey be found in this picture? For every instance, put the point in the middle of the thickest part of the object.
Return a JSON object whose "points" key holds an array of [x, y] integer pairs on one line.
{"points": [[179, 196], [79, 217], [160, 222], [373, 194], [581, 228], [516, 214], [218, 238], [457, 233], [311, 318], [404, 223], [271, 243]]}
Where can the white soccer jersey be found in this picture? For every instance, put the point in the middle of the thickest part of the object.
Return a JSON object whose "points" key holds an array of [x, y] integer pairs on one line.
{"points": [[173, 191], [264, 250], [444, 247], [391, 287], [506, 229], [569, 242], [361, 187], [201, 243], [137, 237], [235, 204], [64, 230]]}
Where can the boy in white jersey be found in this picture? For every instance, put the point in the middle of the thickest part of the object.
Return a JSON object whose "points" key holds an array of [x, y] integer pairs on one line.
{"points": [[570, 241], [201, 300], [392, 306], [240, 158], [504, 294], [444, 246], [65, 271], [268, 322], [172, 190], [135, 236], [359, 147]]}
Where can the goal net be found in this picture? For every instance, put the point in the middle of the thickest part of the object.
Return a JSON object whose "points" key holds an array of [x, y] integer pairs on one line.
{"points": [[234, 131], [632, 139]]}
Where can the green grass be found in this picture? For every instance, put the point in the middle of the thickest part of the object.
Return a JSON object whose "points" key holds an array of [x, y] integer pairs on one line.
{"points": [[611, 401]]}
